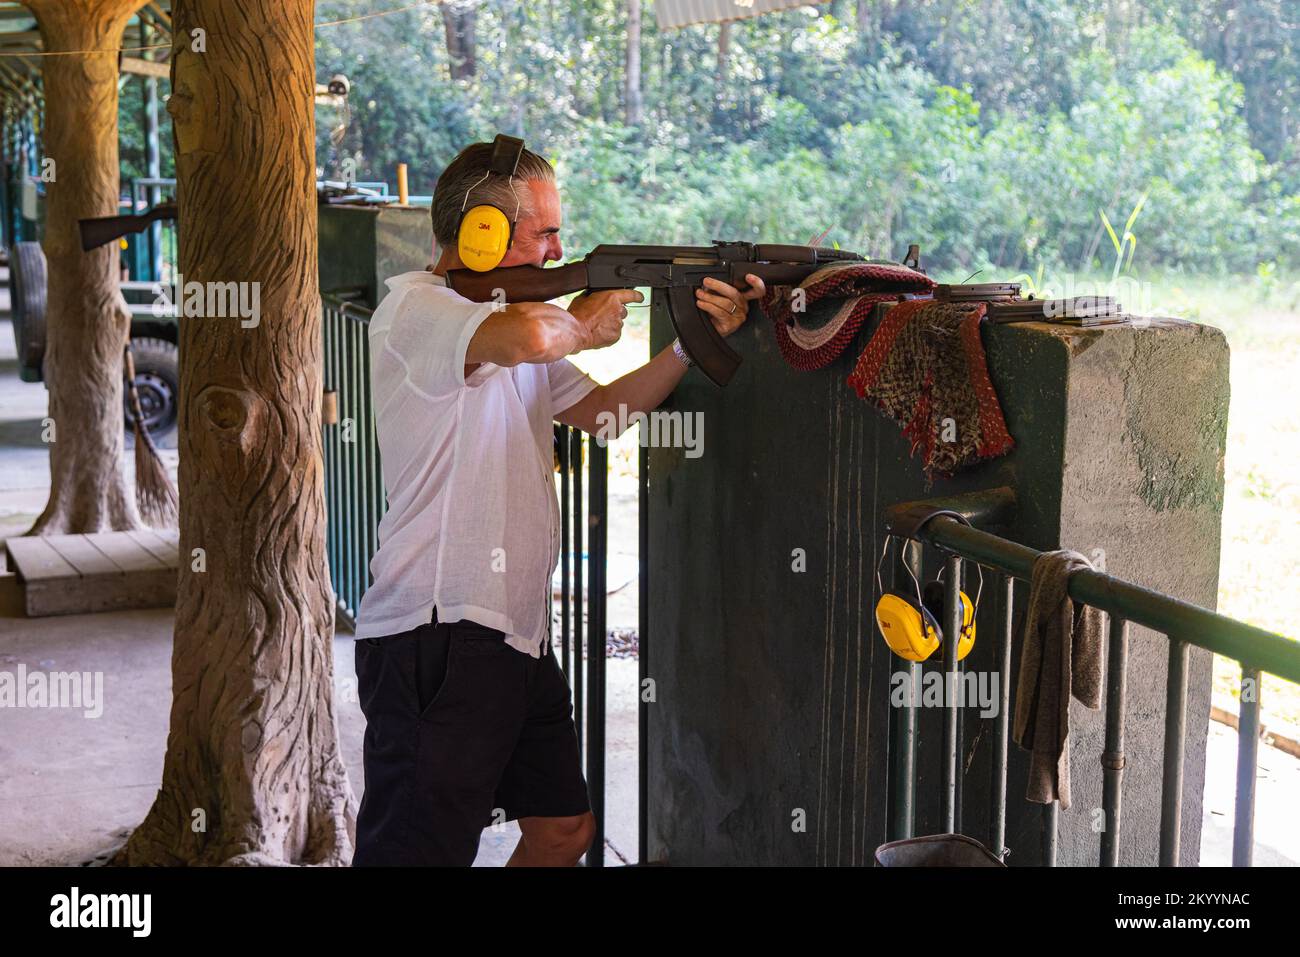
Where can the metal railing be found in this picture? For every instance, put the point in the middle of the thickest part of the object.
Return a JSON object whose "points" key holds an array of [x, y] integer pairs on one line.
{"points": [[354, 481], [582, 637], [1180, 623], [355, 502]]}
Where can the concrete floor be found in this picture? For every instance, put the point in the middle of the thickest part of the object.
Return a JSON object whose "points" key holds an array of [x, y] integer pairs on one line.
{"points": [[72, 786]]}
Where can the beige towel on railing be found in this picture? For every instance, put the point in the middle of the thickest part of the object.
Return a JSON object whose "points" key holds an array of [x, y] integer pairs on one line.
{"points": [[1060, 655]]}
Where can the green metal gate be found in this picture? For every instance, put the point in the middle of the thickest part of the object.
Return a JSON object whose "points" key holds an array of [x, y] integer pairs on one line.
{"points": [[354, 482], [922, 524]]}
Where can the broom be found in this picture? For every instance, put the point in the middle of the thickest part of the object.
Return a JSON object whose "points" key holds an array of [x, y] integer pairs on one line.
{"points": [[154, 492]]}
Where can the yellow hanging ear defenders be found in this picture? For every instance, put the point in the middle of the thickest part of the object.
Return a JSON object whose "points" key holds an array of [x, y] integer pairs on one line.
{"points": [[486, 232], [911, 627], [933, 597], [900, 623]]}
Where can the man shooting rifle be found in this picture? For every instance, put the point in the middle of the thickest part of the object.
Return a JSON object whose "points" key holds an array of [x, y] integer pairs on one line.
{"points": [[469, 717]]}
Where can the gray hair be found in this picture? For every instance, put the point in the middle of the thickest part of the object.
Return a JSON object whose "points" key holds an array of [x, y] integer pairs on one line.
{"points": [[467, 169]]}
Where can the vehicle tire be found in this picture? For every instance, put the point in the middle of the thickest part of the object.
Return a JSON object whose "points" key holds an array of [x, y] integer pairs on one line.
{"points": [[157, 380], [27, 297]]}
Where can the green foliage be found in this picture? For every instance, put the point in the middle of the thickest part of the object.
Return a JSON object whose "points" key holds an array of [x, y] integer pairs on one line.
{"points": [[130, 127], [992, 132]]}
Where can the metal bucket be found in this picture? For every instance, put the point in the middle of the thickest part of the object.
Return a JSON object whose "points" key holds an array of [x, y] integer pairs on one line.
{"points": [[936, 850]]}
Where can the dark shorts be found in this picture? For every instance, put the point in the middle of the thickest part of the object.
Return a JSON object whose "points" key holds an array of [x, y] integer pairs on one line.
{"points": [[462, 732]]}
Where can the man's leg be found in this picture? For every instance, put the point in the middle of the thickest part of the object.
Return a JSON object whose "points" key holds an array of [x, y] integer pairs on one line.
{"points": [[553, 841], [385, 686], [543, 787], [443, 706]]}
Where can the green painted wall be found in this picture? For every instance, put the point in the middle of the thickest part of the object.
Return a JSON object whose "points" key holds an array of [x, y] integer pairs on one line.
{"points": [[772, 684]]}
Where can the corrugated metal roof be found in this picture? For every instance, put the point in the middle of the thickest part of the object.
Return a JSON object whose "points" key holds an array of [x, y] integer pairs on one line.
{"points": [[671, 14]]}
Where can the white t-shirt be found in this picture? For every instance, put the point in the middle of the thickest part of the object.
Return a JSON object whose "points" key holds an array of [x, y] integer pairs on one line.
{"points": [[473, 519]]}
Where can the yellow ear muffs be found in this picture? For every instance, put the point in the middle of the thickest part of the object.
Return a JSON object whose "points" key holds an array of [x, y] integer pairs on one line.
{"points": [[485, 231], [900, 623], [967, 640], [484, 237], [911, 628]]}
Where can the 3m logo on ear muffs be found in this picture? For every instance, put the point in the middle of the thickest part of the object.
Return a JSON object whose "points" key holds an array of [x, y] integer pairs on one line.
{"points": [[911, 627], [484, 238], [486, 232]]}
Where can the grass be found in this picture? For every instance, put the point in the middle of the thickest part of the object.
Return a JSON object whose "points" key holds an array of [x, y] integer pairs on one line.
{"points": [[1260, 559]]}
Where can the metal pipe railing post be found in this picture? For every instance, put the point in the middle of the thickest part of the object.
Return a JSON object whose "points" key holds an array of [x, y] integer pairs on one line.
{"points": [[1051, 820], [1171, 788], [1243, 825], [643, 652], [1112, 759], [562, 431], [952, 622], [575, 679], [1003, 729], [596, 602], [903, 792]]}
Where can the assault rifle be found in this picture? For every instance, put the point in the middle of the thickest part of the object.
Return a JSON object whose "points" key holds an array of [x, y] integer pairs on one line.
{"points": [[672, 273]]}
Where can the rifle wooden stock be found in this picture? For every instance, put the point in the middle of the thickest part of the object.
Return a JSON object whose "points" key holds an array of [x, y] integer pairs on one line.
{"points": [[97, 231], [519, 283]]}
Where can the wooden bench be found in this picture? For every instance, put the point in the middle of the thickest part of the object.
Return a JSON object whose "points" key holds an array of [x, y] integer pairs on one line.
{"points": [[106, 571]]}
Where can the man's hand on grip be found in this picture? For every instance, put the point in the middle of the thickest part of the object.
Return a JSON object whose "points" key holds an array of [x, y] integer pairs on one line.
{"points": [[601, 314]]}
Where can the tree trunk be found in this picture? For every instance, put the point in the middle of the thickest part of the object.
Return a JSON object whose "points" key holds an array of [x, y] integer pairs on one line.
{"points": [[720, 70], [252, 773], [862, 15], [87, 320], [458, 25], [632, 79], [867, 31]]}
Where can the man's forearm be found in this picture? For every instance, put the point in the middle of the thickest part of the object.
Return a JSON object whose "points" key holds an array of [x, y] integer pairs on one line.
{"points": [[640, 390], [646, 388], [534, 332]]}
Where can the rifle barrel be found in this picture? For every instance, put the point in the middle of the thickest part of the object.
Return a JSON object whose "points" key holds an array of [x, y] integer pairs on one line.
{"points": [[608, 266]]}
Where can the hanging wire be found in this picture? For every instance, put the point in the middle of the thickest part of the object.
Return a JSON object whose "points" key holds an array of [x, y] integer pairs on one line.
{"points": [[979, 569], [906, 564], [381, 13]]}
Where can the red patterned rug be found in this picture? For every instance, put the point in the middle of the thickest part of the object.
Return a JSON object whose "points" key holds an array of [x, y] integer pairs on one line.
{"points": [[925, 368], [816, 321]]}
